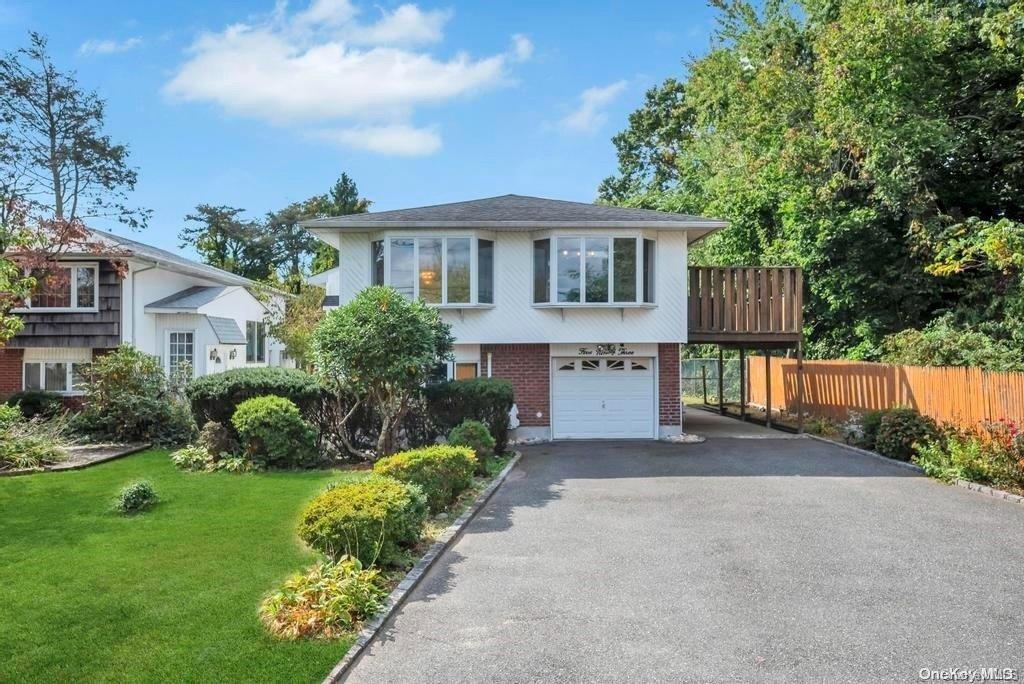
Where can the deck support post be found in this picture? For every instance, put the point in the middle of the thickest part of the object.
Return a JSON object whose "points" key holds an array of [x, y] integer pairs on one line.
{"points": [[721, 382], [743, 384], [767, 388], [800, 388]]}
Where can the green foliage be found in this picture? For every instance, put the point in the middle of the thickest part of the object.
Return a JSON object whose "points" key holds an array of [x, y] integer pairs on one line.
{"points": [[229, 242], [294, 328], [127, 399], [136, 497], [37, 403], [9, 416], [990, 453], [900, 430], [487, 400], [944, 343], [215, 397], [380, 348], [327, 601], [192, 457], [474, 434], [217, 440], [272, 433], [30, 443], [442, 471], [869, 425], [875, 144], [953, 460], [375, 520]]}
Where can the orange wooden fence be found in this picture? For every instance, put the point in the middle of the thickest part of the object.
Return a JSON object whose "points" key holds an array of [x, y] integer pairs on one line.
{"points": [[963, 396]]}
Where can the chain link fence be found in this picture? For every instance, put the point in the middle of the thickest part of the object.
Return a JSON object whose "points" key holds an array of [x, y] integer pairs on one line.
{"points": [[699, 381]]}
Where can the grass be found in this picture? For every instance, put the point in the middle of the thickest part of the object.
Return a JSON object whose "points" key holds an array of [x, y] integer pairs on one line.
{"points": [[170, 594]]}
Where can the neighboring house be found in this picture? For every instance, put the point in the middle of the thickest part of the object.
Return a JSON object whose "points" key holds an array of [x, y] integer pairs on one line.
{"points": [[164, 305], [582, 307]]}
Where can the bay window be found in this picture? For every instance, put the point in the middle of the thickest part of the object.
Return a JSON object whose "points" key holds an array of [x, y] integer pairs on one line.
{"points": [[593, 270], [66, 287], [448, 271]]}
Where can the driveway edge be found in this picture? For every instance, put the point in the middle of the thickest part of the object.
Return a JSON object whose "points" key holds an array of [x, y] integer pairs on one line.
{"points": [[413, 577], [984, 489], [865, 452]]}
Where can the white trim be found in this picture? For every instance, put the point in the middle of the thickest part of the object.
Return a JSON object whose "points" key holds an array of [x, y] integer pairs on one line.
{"points": [[510, 226], [73, 266], [68, 375], [167, 350], [640, 264], [474, 267]]}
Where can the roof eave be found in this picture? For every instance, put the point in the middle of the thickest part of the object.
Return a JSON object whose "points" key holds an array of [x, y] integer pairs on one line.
{"points": [[509, 226]]}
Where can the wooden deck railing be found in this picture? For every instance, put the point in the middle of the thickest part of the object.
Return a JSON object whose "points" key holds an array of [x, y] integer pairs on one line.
{"points": [[752, 306]]}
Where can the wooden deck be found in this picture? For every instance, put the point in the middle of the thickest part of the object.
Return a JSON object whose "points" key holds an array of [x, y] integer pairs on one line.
{"points": [[758, 308]]}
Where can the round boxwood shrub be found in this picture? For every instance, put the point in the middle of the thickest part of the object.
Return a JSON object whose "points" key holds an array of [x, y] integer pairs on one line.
{"points": [[487, 400], [374, 520], [136, 497], [271, 432], [902, 428], [442, 471], [474, 434], [37, 403], [215, 397]]}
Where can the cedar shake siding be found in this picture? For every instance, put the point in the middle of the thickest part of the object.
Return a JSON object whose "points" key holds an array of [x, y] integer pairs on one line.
{"points": [[97, 329], [528, 368], [669, 409]]}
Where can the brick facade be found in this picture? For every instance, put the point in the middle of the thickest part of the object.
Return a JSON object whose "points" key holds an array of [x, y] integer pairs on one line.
{"points": [[10, 370], [669, 409], [528, 368]]}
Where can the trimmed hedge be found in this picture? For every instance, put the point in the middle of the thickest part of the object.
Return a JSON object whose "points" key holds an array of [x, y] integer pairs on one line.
{"points": [[474, 434], [272, 432], [373, 520], [487, 400], [442, 471], [215, 397]]}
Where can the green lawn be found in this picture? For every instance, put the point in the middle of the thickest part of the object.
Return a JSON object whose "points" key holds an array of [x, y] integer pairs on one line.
{"points": [[169, 595]]}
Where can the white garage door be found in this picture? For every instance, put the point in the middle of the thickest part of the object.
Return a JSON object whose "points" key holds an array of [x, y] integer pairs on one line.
{"points": [[603, 398]]}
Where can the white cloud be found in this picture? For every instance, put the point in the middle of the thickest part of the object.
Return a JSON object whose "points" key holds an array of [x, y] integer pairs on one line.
{"points": [[324, 65], [590, 114], [522, 47], [108, 47], [399, 139]]}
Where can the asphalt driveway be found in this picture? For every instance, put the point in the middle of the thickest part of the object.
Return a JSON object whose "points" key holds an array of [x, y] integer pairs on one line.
{"points": [[735, 559]]}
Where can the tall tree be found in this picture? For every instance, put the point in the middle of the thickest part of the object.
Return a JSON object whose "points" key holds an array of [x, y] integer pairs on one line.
{"points": [[229, 242], [342, 199], [55, 156]]}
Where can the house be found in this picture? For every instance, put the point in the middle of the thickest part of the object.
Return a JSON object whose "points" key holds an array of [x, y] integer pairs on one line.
{"points": [[164, 304], [582, 307]]}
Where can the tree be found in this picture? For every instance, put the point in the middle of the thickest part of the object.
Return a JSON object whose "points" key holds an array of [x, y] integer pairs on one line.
{"points": [[294, 325], [293, 244], [380, 348], [342, 199], [850, 139], [230, 243], [16, 282], [54, 155]]}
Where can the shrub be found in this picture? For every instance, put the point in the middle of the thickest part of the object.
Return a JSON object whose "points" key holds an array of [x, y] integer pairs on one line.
{"points": [[136, 497], [9, 416], [35, 403], [487, 400], [474, 434], [989, 453], [272, 432], [127, 399], [900, 430], [218, 441], [30, 444], [442, 471], [192, 457], [216, 397], [327, 601], [952, 460], [869, 424], [373, 520]]}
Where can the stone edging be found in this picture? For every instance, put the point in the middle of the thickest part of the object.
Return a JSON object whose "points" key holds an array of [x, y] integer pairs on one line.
{"points": [[966, 484], [413, 577], [120, 453]]}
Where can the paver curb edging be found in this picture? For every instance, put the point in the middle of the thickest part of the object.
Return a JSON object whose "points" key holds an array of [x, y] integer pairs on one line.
{"points": [[984, 489], [127, 451], [413, 577], [865, 452]]}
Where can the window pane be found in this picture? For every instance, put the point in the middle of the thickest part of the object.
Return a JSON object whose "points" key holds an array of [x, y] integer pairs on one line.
{"points": [[624, 267], [261, 342], [86, 284], [180, 349], [402, 271], [465, 371], [56, 377], [542, 271], [458, 270], [485, 277], [597, 269], [32, 376], [648, 271], [568, 269], [250, 341], [430, 270], [377, 262], [53, 288]]}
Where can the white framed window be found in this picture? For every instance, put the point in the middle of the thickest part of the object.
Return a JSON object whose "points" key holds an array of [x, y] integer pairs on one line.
{"points": [[181, 348], [255, 342], [587, 270], [441, 270], [62, 377], [66, 287]]}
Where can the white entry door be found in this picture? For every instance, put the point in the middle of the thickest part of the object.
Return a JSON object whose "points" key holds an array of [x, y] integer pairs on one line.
{"points": [[603, 398]]}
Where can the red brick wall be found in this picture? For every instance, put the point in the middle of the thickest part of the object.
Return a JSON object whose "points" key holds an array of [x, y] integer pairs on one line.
{"points": [[668, 385], [528, 368], [10, 371]]}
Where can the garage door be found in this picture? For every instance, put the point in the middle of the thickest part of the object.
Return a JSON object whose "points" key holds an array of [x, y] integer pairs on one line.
{"points": [[603, 398]]}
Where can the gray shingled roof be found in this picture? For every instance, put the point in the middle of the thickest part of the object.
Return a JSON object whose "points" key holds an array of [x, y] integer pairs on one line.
{"points": [[190, 298], [516, 212], [227, 330]]}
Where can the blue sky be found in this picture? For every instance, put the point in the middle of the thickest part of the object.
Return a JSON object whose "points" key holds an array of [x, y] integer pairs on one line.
{"points": [[256, 105]]}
